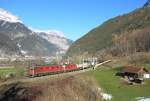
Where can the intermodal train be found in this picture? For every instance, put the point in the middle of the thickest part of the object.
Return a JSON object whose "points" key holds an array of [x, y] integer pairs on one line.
{"points": [[54, 69]]}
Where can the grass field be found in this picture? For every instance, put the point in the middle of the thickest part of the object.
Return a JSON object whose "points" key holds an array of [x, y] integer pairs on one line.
{"points": [[21, 71], [4, 71], [114, 85]]}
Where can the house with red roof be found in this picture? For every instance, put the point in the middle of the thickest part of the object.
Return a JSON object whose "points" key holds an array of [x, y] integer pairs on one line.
{"points": [[134, 74]]}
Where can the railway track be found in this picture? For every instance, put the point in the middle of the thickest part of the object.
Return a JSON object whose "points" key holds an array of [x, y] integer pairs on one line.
{"points": [[25, 80]]}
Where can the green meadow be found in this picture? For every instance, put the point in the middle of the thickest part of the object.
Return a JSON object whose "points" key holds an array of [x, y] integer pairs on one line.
{"points": [[117, 87]]}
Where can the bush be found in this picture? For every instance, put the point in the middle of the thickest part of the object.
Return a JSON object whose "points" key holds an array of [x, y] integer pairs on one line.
{"points": [[139, 58]]}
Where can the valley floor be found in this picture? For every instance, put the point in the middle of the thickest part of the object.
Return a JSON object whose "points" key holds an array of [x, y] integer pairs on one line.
{"points": [[76, 86]]}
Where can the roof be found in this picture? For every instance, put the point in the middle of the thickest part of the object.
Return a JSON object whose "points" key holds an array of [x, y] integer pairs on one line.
{"points": [[134, 69]]}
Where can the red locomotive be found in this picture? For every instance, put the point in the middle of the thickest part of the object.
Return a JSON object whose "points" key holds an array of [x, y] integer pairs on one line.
{"points": [[55, 69]]}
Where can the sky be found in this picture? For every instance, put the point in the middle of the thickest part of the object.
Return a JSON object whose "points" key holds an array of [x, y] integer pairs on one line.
{"points": [[73, 17]]}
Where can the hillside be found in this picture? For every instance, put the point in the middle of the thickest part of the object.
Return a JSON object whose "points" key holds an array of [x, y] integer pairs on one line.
{"points": [[64, 88], [7, 46], [102, 36]]}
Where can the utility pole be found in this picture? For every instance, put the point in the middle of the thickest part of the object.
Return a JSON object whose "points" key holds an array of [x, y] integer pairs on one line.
{"points": [[83, 63], [33, 71]]}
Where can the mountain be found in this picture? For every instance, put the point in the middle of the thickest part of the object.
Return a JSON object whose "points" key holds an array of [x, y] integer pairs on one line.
{"points": [[147, 4], [56, 38], [102, 36], [7, 16], [18, 39]]}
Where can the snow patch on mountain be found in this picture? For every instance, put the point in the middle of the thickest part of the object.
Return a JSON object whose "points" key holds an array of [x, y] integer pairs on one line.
{"points": [[55, 37], [61, 42], [7, 16], [50, 32]]}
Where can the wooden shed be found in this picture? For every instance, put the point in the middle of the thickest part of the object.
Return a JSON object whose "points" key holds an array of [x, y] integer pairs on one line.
{"points": [[134, 74]]}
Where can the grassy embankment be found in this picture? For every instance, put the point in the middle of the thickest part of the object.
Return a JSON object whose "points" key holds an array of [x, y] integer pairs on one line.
{"points": [[114, 85], [6, 70], [63, 88], [10, 71]]}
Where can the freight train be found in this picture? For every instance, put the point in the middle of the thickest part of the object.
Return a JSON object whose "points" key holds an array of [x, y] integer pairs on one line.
{"points": [[55, 69], [49, 70]]}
